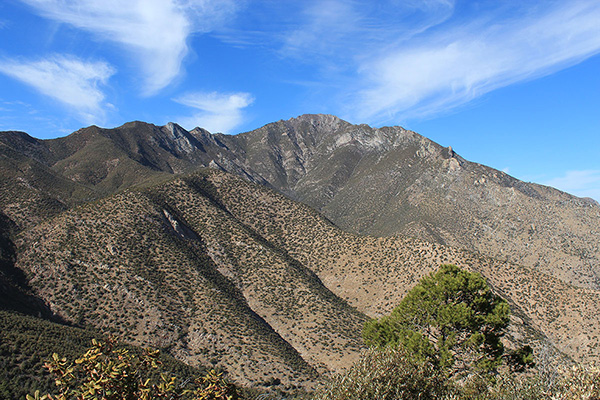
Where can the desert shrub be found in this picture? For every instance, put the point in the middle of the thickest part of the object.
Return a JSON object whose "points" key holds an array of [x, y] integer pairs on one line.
{"points": [[386, 374], [389, 373], [576, 383]]}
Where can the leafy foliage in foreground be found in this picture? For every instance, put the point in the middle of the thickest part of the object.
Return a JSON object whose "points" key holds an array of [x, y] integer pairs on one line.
{"points": [[109, 372], [27, 342]]}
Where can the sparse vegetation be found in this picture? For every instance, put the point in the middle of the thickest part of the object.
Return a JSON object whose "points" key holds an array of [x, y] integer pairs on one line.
{"points": [[110, 235]]}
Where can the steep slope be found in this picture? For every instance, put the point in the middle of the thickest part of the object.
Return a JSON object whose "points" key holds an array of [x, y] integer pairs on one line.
{"points": [[15, 293], [373, 274], [29, 190], [381, 182], [104, 161], [114, 159], [170, 267], [218, 270]]}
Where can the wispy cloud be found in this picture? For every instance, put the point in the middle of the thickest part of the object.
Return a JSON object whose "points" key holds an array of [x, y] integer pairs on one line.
{"points": [[452, 66], [349, 29], [580, 183], [73, 82], [323, 26], [390, 60], [217, 112], [155, 31]]}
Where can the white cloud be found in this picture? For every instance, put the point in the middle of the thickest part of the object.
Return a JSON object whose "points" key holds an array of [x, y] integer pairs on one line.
{"points": [[218, 112], [580, 183], [73, 82], [451, 67], [348, 29], [155, 31]]}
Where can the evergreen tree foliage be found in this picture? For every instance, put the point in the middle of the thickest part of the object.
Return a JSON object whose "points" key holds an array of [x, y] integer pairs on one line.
{"points": [[451, 319]]}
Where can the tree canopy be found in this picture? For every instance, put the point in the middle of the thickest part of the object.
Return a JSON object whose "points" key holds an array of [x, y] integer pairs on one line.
{"points": [[451, 319]]}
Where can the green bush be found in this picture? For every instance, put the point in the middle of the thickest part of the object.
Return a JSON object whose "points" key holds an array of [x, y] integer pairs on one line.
{"points": [[451, 319]]}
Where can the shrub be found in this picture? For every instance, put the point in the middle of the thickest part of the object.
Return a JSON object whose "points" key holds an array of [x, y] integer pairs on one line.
{"points": [[386, 374], [108, 372]]}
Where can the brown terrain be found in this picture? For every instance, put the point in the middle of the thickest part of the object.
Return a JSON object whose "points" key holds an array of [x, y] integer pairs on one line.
{"points": [[121, 231]]}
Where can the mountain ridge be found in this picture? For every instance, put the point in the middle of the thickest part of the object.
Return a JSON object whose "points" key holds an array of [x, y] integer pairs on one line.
{"points": [[216, 269], [377, 181]]}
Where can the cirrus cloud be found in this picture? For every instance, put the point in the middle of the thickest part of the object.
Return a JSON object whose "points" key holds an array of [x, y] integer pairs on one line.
{"points": [[155, 31], [73, 82], [447, 68]]}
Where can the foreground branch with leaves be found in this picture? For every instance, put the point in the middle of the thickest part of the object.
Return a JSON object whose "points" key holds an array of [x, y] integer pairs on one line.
{"points": [[109, 372]]}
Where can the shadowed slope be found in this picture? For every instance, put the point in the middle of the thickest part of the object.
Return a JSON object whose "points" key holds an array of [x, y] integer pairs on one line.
{"points": [[169, 266]]}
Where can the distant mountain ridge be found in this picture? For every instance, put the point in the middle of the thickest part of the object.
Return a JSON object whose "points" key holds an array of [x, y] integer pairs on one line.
{"points": [[381, 182]]}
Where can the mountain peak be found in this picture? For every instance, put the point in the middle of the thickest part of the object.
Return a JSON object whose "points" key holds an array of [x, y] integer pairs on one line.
{"points": [[325, 122]]}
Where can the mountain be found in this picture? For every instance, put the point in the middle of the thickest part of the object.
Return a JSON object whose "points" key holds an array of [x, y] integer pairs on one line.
{"points": [[391, 181], [381, 182], [264, 253]]}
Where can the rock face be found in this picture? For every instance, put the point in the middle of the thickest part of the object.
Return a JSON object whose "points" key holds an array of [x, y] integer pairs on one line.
{"points": [[391, 181]]}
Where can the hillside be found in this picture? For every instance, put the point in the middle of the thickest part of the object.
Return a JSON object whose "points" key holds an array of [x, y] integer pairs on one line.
{"points": [[169, 267], [219, 271], [264, 253]]}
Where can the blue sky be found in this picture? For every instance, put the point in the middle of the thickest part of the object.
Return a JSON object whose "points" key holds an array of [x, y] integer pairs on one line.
{"points": [[514, 85]]}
